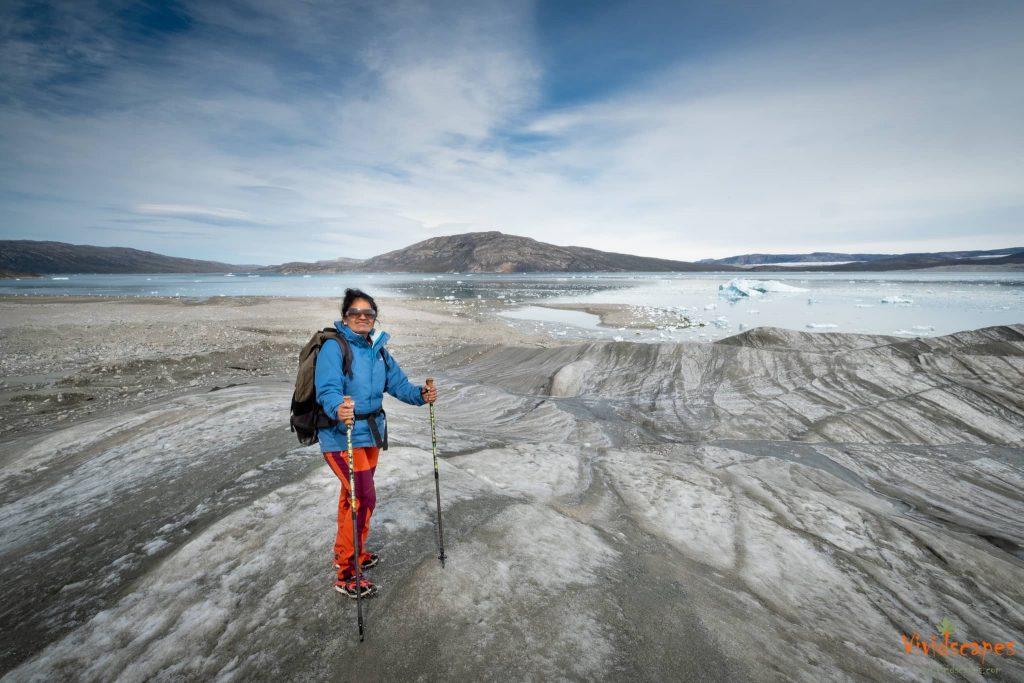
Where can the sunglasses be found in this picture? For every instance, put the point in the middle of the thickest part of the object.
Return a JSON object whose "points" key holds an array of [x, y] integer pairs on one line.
{"points": [[361, 312]]}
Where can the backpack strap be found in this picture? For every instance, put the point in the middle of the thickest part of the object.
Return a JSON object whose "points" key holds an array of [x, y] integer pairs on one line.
{"points": [[346, 349]]}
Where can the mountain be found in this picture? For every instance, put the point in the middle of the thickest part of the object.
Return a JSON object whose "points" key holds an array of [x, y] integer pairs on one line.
{"points": [[338, 265], [495, 252], [6, 274], [816, 257], [911, 262], [473, 252], [31, 256], [924, 259]]}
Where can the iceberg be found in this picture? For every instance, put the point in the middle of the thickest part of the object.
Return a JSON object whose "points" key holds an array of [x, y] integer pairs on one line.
{"points": [[897, 300], [739, 288]]}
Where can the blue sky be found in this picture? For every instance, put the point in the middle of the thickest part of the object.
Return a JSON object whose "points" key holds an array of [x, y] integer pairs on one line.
{"points": [[267, 131]]}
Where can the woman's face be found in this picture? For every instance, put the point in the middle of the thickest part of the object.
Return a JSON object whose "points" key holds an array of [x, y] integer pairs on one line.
{"points": [[360, 316]]}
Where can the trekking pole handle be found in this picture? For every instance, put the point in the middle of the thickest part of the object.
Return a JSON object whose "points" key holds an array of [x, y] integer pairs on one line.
{"points": [[347, 400], [430, 384]]}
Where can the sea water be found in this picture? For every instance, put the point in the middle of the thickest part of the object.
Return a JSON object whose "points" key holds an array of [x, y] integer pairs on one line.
{"points": [[905, 303]]}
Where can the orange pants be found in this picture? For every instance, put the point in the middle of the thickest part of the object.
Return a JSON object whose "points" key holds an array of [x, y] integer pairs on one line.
{"points": [[366, 498]]}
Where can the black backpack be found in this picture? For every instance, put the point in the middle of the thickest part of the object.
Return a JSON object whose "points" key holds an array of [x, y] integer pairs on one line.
{"points": [[307, 416]]}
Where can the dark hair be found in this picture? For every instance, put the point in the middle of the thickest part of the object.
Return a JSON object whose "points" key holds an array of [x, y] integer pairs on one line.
{"points": [[353, 294]]}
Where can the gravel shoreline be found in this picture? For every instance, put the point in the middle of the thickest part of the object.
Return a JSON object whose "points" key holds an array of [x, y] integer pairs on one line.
{"points": [[70, 358]]}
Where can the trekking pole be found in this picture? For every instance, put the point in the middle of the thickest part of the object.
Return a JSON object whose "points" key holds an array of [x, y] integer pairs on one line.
{"points": [[355, 524], [437, 481]]}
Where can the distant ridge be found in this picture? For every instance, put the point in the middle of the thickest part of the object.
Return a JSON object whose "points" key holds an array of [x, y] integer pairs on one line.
{"points": [[816, 257], [832, 257], [496, 252], [338, 265], [913, 262], [34, 257], [479, 252]]}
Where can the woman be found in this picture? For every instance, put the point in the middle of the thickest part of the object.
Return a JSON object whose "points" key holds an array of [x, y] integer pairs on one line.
{"points": [[373, 371]]}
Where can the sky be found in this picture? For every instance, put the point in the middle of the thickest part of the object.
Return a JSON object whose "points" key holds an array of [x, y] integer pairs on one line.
{"points": [[263, 131]]}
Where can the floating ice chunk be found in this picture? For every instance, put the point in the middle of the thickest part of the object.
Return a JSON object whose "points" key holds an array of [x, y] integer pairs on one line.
{"points": [[864, 305], [58, 278], [710, 307], [738, 288], [821, 326], [896, 300], [754, 311], [720, 321], [617, 338]]}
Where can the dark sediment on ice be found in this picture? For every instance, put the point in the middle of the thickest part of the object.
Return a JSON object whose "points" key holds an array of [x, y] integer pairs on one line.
{"points": [[775, 506]]}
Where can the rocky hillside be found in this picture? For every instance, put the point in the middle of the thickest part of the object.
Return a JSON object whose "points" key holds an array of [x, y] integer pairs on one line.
{"points": [[495, 252], [30, 256], [5, 273]]}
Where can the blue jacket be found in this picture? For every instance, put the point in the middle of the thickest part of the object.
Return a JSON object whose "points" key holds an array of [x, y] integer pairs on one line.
{"points": [[366, 386]]}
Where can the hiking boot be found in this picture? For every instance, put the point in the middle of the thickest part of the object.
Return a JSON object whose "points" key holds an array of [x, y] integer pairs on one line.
{"points": [[355, 588], [370, 561]]}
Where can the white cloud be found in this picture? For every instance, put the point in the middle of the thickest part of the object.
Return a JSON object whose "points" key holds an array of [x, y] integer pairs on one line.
{"points": [[745, 154], [198, 212], [839, 142]]}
